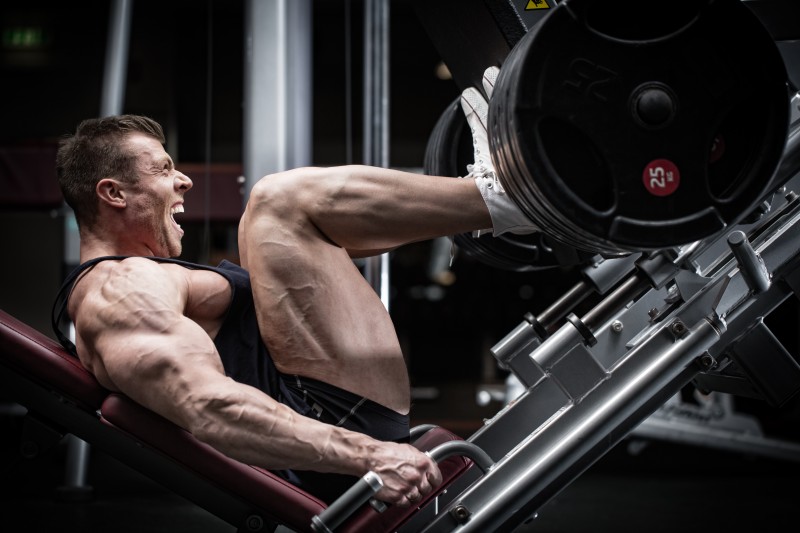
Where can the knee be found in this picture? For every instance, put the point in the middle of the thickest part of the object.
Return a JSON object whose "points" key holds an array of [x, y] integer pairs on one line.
{"points": [[297, 192], [282, 193]]}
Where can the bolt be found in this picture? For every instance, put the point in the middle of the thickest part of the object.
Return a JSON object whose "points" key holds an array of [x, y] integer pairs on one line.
{"points": [[254, 523], [29, 449], [678, 328], [652, 313], [706, 361], [460, 513], [673, 294], [616, 326]]}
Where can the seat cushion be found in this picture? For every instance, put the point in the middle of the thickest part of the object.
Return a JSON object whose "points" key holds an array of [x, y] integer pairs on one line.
{"points": [[42, 359], [278, 498]]}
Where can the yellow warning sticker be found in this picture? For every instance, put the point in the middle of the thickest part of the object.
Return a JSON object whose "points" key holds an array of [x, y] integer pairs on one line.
{"points": [[537, 4]]}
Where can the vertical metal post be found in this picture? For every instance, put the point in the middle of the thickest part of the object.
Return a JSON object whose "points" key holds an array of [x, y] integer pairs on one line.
{"points": [[112, 98], [116, 65], [376, 117], [277, 87]]}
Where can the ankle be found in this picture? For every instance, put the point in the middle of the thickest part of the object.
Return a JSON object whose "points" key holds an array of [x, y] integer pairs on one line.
{"points": [[506, 215]]}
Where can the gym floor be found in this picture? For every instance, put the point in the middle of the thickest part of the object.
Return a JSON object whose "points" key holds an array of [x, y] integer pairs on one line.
{"points": [[665, 487]]}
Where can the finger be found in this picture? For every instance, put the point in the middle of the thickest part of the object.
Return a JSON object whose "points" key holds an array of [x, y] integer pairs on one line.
{"points": [[392, 497], [434, 476], [489, 78], [413, 496], [425, 486], [402, 502]]}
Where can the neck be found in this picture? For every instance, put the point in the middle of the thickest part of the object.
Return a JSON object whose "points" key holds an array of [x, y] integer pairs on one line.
{"points": [[94, 244]]}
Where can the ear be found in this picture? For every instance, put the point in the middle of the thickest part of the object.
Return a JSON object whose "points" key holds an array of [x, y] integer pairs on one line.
{"points": [[110, 192]]}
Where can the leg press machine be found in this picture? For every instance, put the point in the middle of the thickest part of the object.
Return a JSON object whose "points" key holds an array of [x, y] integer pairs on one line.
{"points": [[664, 319]]}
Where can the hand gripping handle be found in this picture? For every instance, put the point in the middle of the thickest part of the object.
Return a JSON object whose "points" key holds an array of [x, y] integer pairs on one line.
{"points": [[366, 487]]}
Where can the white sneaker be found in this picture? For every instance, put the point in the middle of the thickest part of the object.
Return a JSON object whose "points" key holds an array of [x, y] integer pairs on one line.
{"points": [[489, 78], [506, 215]]}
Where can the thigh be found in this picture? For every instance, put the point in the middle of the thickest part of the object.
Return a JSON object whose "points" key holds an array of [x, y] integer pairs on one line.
{"points": [[316, 312]]}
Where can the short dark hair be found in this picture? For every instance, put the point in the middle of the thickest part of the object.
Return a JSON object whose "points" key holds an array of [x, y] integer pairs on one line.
{"points": [[97, 151]]}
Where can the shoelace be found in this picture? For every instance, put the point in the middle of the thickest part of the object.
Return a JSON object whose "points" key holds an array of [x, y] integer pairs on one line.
{"points": [[481, 171]]}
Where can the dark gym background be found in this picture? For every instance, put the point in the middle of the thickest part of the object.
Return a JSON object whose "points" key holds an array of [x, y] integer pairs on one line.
{"points": [[48, 89], [446, 330]]}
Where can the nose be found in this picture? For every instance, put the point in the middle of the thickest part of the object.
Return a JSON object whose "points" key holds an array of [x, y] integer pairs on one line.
{"points": [[183, 181]]}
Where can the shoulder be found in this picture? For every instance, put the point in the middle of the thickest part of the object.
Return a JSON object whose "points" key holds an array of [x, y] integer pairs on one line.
{"points": [[135, 273], [134, 266], [121, 267], [126, 282]]}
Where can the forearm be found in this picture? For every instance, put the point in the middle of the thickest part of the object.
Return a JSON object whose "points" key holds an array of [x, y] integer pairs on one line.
{"points": [[239, 420], [250, 426], [254, 429], [177, 373]]}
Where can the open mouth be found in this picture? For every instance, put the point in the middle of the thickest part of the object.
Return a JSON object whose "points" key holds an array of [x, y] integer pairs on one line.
{"points": [[176, 209]]}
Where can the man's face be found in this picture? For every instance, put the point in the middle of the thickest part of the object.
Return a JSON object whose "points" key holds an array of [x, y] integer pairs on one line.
{"points": [[156, 197]]}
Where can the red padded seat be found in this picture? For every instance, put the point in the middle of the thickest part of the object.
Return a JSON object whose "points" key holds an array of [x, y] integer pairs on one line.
{"points": [[45, 361], [29, 353], [281, 500]]}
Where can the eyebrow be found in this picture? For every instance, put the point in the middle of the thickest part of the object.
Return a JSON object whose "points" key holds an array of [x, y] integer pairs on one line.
{"points": [[157, 163]]}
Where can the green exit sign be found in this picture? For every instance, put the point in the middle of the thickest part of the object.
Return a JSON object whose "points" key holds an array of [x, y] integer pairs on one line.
{"points": [[23, 37]]}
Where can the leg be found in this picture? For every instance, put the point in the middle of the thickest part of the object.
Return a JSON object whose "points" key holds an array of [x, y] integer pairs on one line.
{"points": [[317, 314]]}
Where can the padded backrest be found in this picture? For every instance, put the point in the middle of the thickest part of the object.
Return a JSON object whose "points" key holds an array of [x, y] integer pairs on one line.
{"points": [[29, 352], [42, 359], [283, 501]]}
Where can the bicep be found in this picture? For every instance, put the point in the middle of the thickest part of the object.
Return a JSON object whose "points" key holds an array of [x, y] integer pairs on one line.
{"points": [[148, 349], [163, 369]]}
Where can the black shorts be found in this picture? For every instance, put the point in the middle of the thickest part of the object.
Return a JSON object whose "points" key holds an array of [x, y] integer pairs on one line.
{"points": [[338, 407]]}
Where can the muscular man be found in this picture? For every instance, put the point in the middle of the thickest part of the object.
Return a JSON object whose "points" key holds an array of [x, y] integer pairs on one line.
{"points": [[289, 362]]}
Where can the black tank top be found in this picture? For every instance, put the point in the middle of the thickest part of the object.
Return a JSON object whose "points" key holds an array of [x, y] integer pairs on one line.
{"points": [[244, 356], [245, 359]]}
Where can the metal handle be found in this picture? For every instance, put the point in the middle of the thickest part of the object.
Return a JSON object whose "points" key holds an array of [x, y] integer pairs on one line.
{"points": [[465, 448], [336, 513], [366, 487]]}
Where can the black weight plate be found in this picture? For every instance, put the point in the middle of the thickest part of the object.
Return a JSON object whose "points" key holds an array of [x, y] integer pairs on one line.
{"points": [[447, 153], [635, 125]]}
